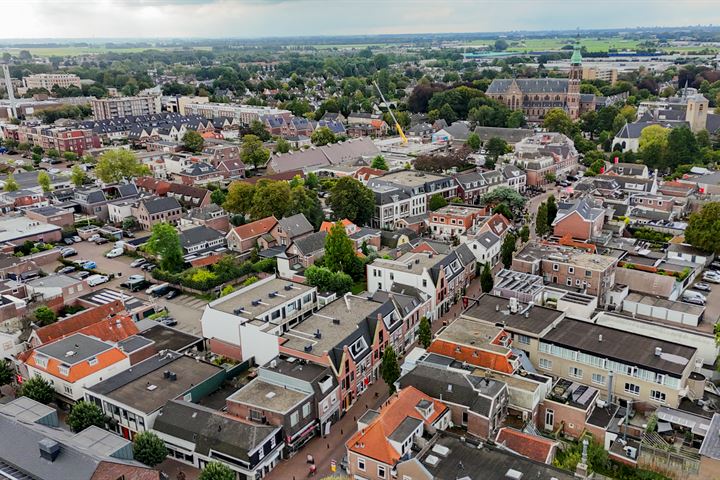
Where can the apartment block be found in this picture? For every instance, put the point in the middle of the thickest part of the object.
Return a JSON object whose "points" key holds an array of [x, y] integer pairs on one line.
{"points": [[108, 108], [49, 80]]}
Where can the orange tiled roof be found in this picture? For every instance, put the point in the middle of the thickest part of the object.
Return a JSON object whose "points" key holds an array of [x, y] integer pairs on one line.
{"points": [[82, 369], [256, 228], [326, 226], [473, 356], [531, 446], [373, 441], [113, 329], [80, 320]]}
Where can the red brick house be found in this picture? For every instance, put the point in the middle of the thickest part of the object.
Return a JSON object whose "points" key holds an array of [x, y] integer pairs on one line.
{"points": [[242, 239], [231, 169], [581, 220]]}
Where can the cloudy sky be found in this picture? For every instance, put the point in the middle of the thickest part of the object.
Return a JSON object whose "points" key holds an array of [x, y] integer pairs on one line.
{"points": [[270, 18]]}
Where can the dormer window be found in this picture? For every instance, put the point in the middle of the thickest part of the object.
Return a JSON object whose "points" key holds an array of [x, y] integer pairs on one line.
{"points": [[426, 408]]}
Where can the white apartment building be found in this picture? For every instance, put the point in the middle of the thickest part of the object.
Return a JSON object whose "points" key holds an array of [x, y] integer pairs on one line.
{"points": [[107, 108], [49, 80]]}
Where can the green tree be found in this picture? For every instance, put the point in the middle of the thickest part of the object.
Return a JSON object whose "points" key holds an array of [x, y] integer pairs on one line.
{"points": [[38, 389], [541, 222], [193, 141], [218, 196], [129, 223], [682, 147], [7, 374], [149, 449], [282, 146], [43, 180], [504, 195], [556, 120], [70, 156], [270, 198], [486, 278], [85, 414], [253, 152], [217, 471], [503, 210], [239, 197], [501, 45], [473, 142], [379, 163], [77, 176], [305, 201], [340, 253], [44, 315], [352, 200], [312, 181], [11, 185], [120, 164], [552, 210], [53, 153], [436, 202], [424, 332], [258, 129], [516, 119], [495, 147], [653, 145], [164, 243], [507, 249], [703, 230], [390, 369], [448, 114], [328, 281], [323, 136], [524, 234]]}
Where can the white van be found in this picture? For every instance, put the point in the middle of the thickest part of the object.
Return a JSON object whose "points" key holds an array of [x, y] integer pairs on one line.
{"points": [[94, 280]]}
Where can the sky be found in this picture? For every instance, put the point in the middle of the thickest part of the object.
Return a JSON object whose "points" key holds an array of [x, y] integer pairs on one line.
{"points": [[279, 18]]}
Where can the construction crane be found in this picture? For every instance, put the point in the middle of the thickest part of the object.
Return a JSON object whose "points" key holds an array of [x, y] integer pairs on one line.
{"points": [[397, 125]]}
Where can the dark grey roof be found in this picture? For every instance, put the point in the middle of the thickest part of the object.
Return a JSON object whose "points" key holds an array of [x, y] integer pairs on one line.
{"points": [[209, 430], [492, 309], [138, 370], [633, 130], [487, 239], [405, 429], [711, 444], [295, 225], [458, 130], [466, 460], [74, 349], [530, 85], [161, 204], [583, 207], [312, 243], [622, 346], [127, 190], [134, 343], [199, 234], [167, 338]]}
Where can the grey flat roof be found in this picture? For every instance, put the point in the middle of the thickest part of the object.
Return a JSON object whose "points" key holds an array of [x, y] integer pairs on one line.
{"points": [[621, 346], [26, 410], [133, 387], [260, 291], [167, 338], [81, 346], [711, 445], [269, 396], [492, 309]]}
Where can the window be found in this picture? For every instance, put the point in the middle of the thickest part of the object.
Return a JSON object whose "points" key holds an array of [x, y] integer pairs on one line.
{"points": [[361, 464], [255, 416], [598, 379], [523, 339], [294, 419], [424, 283], [546, 364], [657, 396], [306, 410], [632, 388], [571, 270], [64, 370], [381, 471], [588, 273], [569, 282], [68, 389], [92, 361], [556, 267], [575, 372]]}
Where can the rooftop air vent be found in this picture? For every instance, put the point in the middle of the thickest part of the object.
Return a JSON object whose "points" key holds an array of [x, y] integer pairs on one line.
{"points": [[308, 348], [49, 449], [336, 321]]}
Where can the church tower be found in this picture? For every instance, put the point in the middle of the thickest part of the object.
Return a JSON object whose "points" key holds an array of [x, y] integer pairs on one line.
{"points": [[573, 92]]}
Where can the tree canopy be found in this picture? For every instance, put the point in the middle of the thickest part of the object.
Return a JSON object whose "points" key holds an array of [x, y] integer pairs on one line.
{"points": [[323, 136], [436, 202], [390, 369], [253, 152], [149, 449], [379, 163], [505, 195], [217, 471], [119, 164], [38, 389], [340, 253], [164, 242], [193, 141], [85, 414], [352, 200], [703, 230]]}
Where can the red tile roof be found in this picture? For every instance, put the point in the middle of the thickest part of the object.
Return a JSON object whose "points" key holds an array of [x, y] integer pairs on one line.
{"points": [[256, 228], [80, 320], [530, 446]]}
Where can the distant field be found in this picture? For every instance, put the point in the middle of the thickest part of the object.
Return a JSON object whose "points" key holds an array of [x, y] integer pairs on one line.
{"points": [[357, 46], [591, 44], [71, 50]]}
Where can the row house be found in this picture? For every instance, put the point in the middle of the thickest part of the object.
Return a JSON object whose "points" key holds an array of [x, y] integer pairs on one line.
{"points": [[247, 322], [151, 211], [545, 155], [210, 216], [579, 270], [94, 201], [221, 152], [473, 185], [196, 435], [443, 277], [23, 200], [348, 335], [514, 178], [376, 128], [134, 397], [231, 169], [388, 436], [478, 404], [62, 139], [306, 250], [453, 221], [200, 173], [244, 238], [629, 365], [189, 196]]}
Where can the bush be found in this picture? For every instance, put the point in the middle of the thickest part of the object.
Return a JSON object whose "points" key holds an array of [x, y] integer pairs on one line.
{"points": [[224, 271], [45, 316]]}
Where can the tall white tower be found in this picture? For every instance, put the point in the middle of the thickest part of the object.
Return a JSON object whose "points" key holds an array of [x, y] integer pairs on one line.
{"points": [[11, 93]]}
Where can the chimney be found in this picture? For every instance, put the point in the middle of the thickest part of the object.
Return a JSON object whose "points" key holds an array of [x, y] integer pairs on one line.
{"points": [[610, 388], [49, 449], [658, 351], [600, 337]]}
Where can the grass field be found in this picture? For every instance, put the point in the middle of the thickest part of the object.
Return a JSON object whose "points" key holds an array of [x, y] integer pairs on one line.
{"points": [[591, 44], [70, 50]]}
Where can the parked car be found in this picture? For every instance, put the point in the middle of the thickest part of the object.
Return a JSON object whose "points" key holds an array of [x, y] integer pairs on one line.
{"points": [[115, 252], [703, 287], [94, 280], [76, 239], [68, 241], [151, 267], [88, 265], [138, 263], [128, 234], [158, 290], [167, 321], [147, 267], [694, 300], [711, 277], [68, 252], [65, 270], [172, 294], [83, 274], [94, 237], [101, 241], [714, 265], [693, 294]]}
